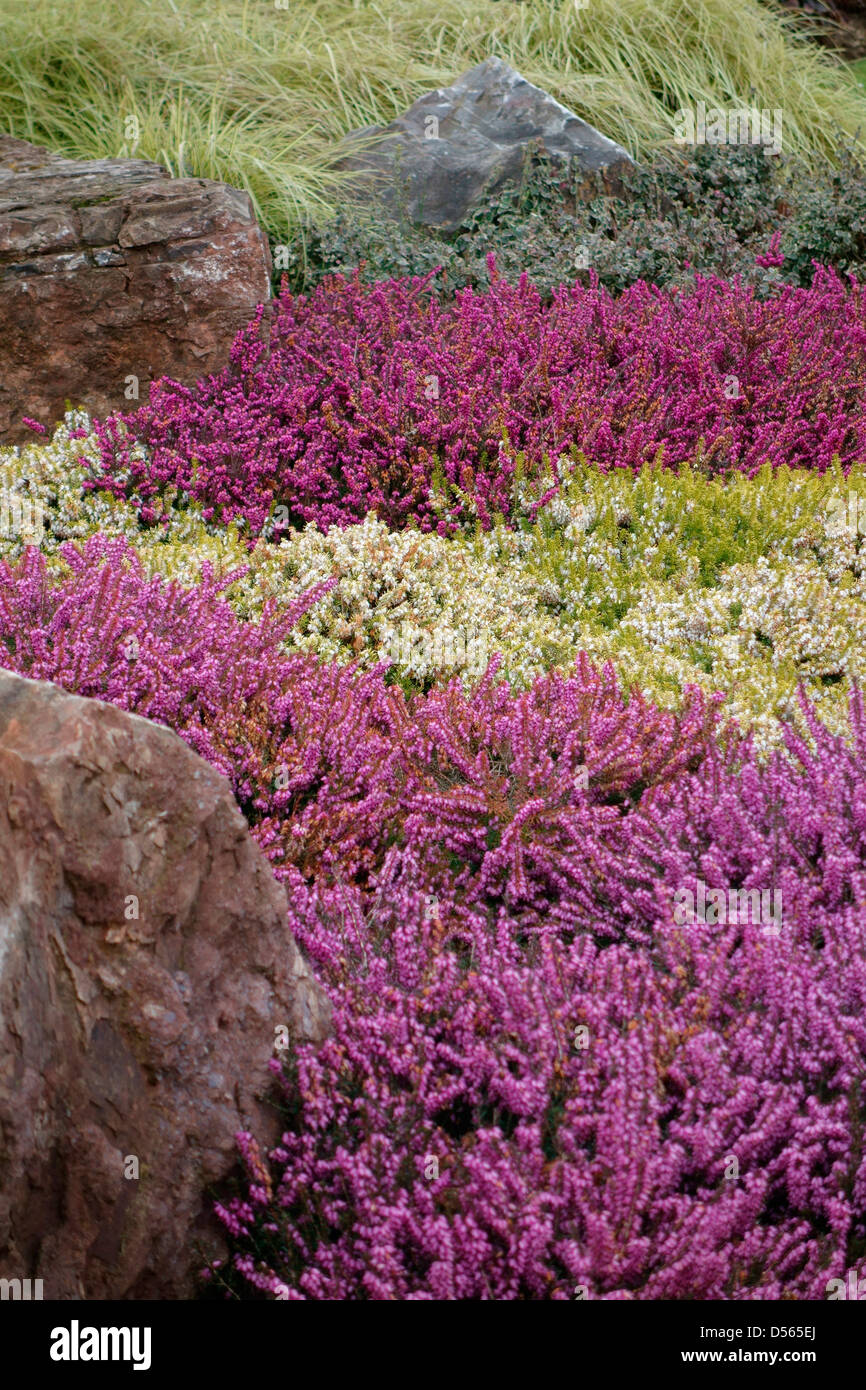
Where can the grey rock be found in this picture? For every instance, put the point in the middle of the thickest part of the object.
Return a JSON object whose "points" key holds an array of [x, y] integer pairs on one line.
{"points": [[461, 143]]}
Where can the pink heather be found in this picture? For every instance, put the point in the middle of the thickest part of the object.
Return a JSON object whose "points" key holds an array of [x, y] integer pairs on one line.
{"points": [[560, 1166], [346, 401]]}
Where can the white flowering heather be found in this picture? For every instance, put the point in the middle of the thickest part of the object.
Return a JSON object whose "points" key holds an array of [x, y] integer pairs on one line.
{"points": [[433, 607], [763, 630], [54, 474]]}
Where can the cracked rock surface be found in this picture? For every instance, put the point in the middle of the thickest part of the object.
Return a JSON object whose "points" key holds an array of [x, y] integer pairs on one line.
{"points": [[145, 965], [112, 271]]}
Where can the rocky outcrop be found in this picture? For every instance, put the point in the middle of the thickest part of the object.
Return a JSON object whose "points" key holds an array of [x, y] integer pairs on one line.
{"points": [[112, 274], [146, 967], [456, 145]]}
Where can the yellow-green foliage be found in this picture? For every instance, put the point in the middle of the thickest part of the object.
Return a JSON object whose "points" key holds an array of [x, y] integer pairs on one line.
{"points": [[746, 586], [258, 95], [606, 535]]}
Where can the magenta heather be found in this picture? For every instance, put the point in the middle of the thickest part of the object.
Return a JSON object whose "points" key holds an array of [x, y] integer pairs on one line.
{"points": [[538, 1086], [381, 398]]}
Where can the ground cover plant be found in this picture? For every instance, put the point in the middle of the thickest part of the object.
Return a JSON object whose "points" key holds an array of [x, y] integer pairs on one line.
{"points": [[433, 414], [258, 96], [752, 586], [515, 582], [486, 883], [484, 878], [689, 210]]}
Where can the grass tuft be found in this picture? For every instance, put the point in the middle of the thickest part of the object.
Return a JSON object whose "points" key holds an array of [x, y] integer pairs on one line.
{"points": [[258, 96]]}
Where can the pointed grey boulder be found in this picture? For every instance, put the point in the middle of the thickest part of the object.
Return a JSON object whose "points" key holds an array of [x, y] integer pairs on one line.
{"points": [[461, 143]]}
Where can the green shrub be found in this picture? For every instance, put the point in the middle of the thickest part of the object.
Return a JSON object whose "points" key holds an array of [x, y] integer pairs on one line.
{"points": [[710, 209], [828, 223]]}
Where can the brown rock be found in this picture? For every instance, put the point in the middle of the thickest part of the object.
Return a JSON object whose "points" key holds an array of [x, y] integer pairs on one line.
{"points": [[125, 1036], [109, 269]]}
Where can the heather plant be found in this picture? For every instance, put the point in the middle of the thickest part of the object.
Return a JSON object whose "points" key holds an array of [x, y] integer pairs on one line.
{"points": [[430, 608], [601, 537], [428, 605], [508, 1117], [764, 632], [747, 585], [750, 586], [460, 594], [753, 586], [539, 1085], [57, 476], [382, 399], [313, 746]]}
